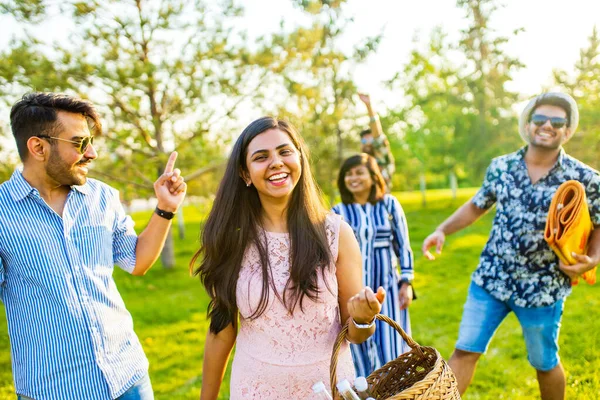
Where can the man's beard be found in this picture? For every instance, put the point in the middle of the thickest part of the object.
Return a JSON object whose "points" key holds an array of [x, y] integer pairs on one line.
{"points": [[553, 145], [542, 145], [64, 174]]}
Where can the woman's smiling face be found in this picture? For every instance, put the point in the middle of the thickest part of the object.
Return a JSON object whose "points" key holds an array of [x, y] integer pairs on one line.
{"points": [[273, 164], [358, 180]]}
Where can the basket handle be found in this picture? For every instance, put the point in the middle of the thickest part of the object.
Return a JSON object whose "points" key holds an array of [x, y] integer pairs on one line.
{"points": [[342, 336]]}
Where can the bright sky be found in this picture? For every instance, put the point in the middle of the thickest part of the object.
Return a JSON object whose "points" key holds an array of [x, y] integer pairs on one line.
{"points": [[554, 34]]}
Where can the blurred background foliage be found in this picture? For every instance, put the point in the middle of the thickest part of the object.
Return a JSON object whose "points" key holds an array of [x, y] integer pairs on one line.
{"points": [[173, 75], [180, 75]]}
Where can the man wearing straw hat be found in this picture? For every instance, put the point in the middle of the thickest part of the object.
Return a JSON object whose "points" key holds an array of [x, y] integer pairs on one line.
{"points": [[517, 271]]}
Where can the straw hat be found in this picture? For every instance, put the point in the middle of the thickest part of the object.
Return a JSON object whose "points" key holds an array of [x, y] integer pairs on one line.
{"points": [[555, 98]]}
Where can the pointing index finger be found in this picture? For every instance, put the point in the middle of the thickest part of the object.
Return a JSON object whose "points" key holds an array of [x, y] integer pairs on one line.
{"points": [[171, 163]]}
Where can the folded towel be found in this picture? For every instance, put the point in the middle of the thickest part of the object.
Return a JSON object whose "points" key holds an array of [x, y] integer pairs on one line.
{"points": [[569, 225]]}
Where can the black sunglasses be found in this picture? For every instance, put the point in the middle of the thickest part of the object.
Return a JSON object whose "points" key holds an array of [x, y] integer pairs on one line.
{"points": [[82, 145], [556, 122]]}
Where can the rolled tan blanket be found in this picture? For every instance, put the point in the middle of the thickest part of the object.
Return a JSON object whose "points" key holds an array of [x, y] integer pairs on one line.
{"points": [[569, 225]]}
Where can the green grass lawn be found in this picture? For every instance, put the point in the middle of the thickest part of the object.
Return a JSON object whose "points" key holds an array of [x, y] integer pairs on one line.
{"points": [[169, 312]]}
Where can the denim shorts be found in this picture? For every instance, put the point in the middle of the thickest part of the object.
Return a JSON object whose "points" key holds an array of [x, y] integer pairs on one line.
{"points": [[483, 314]]}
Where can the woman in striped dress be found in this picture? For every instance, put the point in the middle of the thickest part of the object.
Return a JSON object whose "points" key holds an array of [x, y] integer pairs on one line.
{"points": [[380, 226]]}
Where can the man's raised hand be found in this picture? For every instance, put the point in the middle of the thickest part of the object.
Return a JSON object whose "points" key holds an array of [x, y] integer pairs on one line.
{"points": [[170, 188]]}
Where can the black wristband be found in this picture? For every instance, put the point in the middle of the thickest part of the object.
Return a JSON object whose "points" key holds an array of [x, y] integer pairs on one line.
{"points": [[404, 280], [164, 214]]}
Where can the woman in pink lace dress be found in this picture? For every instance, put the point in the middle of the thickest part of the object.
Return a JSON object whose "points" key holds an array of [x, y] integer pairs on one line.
{"points": [[279, 287]]}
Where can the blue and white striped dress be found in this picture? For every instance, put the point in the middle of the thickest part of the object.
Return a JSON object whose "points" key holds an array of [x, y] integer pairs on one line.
{"points": [[71, 336], [373, 229]]}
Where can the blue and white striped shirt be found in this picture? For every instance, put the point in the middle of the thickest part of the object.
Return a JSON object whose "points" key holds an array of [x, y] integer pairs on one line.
{"points": [[384, 242], [71, 336], [382, 234]]}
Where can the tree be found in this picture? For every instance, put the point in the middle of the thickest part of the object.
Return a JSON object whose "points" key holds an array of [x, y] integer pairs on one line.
{"points": [[7, 159], [488, 68], [166, 74], [433, 122], [458, 112], [584, 86], [312, 77], [316, 75]]}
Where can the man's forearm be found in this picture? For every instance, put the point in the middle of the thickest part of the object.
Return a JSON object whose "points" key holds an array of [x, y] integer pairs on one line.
{"points": [[463, 217], [375, 124], [150, 243]]}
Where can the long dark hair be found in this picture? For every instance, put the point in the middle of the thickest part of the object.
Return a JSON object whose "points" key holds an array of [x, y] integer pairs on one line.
{"points": [[235, 222], [378, 188]]}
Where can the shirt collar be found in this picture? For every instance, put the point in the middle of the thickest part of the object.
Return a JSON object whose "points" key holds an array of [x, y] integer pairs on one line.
{"points": [[559, 162], [20, 188], [83, 189], [561, 158]]}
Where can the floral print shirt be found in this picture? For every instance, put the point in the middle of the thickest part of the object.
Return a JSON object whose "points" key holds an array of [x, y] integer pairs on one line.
{"points": [[517, 262], [380, 149]]}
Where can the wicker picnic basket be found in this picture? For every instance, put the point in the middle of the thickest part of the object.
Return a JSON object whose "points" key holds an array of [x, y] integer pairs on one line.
{"points": [[420, 373]]}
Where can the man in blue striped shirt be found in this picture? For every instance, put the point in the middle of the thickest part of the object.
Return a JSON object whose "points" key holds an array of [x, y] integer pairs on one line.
{"points": [[60, 236]]}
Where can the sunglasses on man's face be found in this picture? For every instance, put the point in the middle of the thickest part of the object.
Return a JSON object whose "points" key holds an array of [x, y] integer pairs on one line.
{"points": [[82, 144], [366, 140], [556, 122]]}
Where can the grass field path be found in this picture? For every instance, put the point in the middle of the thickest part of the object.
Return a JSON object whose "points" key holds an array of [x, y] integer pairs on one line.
{"points": [[169, 313]]}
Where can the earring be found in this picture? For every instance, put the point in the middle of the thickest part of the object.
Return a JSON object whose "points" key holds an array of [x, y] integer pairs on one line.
{"points": [[248, 184]]}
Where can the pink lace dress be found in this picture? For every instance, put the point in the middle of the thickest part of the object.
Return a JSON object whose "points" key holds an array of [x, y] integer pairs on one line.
{"points": [[278, 355]]}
